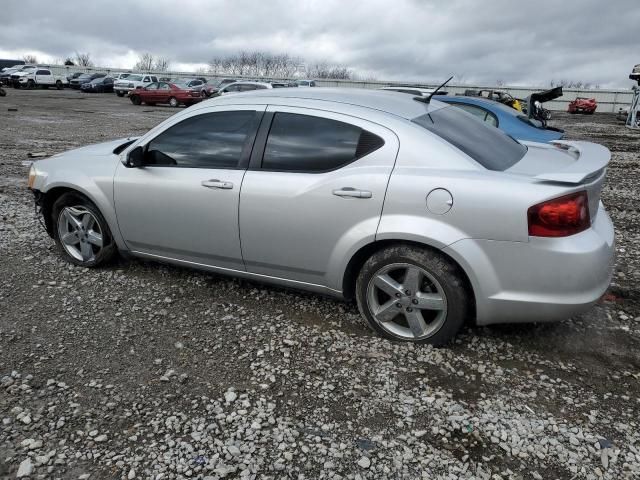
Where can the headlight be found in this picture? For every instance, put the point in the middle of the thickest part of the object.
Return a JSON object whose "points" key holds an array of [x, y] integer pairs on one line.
{"points": [[32, 176]]}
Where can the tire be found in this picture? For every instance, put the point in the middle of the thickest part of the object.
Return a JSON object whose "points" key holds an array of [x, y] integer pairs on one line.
{"points": [[135, 99], [440, 291], [3, 93], [59, 85], [203, 93], [89, 243], [119, 93], [31, 84], [173, 101]]}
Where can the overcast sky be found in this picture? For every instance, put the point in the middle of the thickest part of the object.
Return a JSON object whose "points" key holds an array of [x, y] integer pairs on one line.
{"points": [[518, 42]]}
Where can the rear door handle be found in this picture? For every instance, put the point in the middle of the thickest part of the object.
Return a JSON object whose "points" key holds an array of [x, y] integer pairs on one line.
{"points": [[215, 183], [352, 192]]}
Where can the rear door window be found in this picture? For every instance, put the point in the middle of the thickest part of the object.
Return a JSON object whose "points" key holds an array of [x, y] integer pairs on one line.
{"points": [[490, 147], [311, 144]]}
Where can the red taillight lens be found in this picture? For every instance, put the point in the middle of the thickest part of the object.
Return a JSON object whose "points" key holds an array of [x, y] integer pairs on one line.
{"points": [[560, 217]]}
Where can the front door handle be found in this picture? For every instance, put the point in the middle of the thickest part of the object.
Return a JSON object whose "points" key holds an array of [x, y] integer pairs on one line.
{"points": [[215, 183], [352, 193]]}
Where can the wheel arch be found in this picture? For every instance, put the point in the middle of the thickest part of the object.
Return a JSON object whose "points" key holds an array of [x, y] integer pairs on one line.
{"points": [[48, 198], [360, 257]]}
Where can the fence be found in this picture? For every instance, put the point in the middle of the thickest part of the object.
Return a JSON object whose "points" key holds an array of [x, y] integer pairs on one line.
{"points": [[608, 100]]}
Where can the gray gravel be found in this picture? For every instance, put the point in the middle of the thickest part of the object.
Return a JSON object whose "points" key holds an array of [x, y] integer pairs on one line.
{"points": [[141, 370]]}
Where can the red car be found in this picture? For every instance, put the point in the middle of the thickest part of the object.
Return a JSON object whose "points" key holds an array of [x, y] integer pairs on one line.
{"points": [[172, 93], [583, 105]]}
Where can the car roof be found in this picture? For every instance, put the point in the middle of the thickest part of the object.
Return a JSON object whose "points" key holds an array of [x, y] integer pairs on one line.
{"points": [[394, 88], [386, 101]]}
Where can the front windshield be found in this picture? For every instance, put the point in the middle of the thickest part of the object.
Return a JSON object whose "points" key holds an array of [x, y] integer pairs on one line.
{"points": [[135, 78], [489, 146]]}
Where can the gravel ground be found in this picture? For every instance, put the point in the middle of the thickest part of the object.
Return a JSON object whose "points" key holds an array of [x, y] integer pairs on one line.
{"points": [[141, 370]]}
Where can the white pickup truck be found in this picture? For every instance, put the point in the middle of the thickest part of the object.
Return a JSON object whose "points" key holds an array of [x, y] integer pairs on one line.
{"points": [[133, 81], [38, 77]]}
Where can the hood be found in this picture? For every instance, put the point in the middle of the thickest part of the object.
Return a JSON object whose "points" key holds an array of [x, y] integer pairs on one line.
{"points": [[97, 149], [21, 73]]}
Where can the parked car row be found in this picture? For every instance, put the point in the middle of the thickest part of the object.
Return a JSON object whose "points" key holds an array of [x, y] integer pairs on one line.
{"points": [[187, 91], [32, 76]]}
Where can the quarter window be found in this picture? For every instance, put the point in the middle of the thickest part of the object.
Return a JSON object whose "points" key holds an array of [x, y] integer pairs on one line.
{"points": [[43, 72], [212, 140], [315, 144]]}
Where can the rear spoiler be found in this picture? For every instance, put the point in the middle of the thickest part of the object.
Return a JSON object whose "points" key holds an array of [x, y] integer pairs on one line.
{"points": [[591, 159]]}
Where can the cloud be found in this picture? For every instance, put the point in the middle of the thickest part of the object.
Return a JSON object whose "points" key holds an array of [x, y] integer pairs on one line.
{"points": [[527, 43]]}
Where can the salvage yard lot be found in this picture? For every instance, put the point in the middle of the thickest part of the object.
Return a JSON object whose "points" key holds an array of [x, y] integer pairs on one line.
{"points": [[141, 370]]}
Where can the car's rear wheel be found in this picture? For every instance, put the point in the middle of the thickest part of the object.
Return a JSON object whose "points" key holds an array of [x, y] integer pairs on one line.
{"points": [[81, 232], [59, 85], [412, 294], [135, 99], [173, 101], [203, 93]]}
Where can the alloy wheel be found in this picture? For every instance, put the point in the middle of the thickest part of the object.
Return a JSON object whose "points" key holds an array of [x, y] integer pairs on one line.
{"points": [[407, 301], [80, 233]]}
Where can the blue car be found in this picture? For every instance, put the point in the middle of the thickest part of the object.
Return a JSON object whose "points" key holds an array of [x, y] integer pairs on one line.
{"points": [[511, 121]]}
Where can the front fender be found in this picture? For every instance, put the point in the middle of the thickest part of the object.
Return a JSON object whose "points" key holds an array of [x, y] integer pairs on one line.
{"points": [[98, 188]]}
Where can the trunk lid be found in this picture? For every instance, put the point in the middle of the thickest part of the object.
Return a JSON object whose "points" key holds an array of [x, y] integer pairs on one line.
{"points": [[574, 164]]}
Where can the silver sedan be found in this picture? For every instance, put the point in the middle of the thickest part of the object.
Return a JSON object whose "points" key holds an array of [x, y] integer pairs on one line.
{"points": [[424, 215]]}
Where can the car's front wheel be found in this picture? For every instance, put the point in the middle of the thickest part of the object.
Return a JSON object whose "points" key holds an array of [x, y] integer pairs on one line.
{"points": [[135, 99], [412, 294], [173, 101], [81, 232], [119, 93]]}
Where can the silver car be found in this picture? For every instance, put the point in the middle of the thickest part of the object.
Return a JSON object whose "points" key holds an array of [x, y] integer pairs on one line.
{"points": [[421, 213]]}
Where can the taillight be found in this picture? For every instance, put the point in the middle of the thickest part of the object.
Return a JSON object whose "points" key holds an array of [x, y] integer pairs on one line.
{"points": [[560, 217]]}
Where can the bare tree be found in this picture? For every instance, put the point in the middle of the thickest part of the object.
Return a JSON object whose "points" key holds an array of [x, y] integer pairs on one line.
{"points": [[30, 58], [325, 70], [255, 64], [161, 64], [579, 84], [83, 59], [145, 62]]}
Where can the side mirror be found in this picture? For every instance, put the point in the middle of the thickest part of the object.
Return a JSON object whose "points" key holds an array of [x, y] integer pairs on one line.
{"points": [[135, 158]]}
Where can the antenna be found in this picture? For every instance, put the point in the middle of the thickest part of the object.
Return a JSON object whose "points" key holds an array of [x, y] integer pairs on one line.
{"points": [[428, 99]]}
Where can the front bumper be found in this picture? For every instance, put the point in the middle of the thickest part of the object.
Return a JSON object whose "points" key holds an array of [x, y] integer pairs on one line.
{"points": [[545, 279]]}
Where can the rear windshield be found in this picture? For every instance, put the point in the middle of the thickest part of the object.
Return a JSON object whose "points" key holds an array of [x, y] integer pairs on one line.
{"points": [[489, 146]]}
